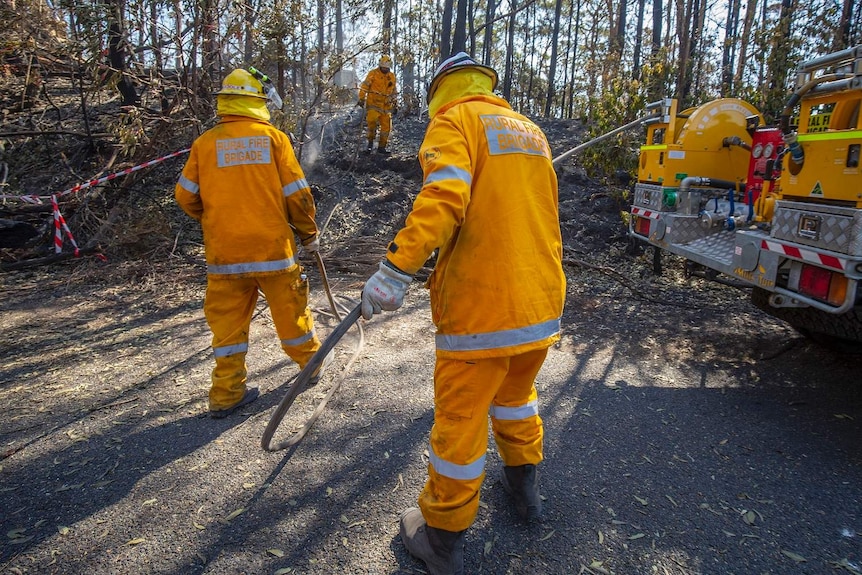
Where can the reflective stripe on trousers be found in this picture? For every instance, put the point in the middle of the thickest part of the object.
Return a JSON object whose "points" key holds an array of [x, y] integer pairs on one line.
{"points": [[251, 267], [497, 339], [228, 307], [465, 392]]}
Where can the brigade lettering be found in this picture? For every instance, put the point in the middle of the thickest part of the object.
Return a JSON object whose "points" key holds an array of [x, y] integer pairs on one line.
{"points": [[241, 151], [508, 135]]}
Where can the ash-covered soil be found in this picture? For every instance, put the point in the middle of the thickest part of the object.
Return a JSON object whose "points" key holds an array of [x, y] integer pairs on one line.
{"points": [[686, 432]]}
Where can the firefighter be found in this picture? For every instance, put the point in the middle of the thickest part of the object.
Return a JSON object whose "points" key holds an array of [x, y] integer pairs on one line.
{"points": [[244, 184], [377, 94], [489, 204]]}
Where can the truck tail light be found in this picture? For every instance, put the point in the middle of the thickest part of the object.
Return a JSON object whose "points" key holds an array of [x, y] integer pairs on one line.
{"points": [[642, 226], [823, 284], [837, 289]]}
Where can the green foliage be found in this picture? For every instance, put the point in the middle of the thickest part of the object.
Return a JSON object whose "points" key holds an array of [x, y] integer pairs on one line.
{"points": [[130, 131], [621, 104], [657, 75]]}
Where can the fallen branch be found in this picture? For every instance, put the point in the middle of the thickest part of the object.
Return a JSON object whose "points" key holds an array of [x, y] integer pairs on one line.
{"points": [[35, 262], [26, 209], [622, 280], [54, 133]]}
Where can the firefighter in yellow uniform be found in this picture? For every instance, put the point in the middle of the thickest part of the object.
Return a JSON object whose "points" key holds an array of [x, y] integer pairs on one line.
{"points": [[489, 204], [243, 183], [377, 94]]}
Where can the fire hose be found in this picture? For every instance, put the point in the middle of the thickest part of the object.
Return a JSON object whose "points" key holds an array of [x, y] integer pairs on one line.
{"points": [[302, 379], [603, 137], [325, 281]]}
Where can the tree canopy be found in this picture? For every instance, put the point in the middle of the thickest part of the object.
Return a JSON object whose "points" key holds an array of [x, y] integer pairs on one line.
{"points": [[558, 58]]}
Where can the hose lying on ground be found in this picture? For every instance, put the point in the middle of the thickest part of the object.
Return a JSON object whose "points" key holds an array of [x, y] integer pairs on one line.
{"points": [[301, 381]]}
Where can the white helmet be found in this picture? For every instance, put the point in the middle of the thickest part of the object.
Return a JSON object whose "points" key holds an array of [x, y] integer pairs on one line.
{"points": [[458, 62]]}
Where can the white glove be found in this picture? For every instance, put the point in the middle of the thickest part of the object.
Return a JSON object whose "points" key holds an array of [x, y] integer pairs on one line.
{"points": [[384, 291], [313, 246]]}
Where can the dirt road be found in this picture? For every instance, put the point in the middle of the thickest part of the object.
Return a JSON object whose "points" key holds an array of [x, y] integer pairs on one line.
{"points": [[685, 433]]}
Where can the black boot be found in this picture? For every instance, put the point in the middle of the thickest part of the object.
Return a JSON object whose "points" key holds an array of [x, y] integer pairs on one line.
{"points": [[522, 483], [382, 150], [370, 146], [442, 551]]}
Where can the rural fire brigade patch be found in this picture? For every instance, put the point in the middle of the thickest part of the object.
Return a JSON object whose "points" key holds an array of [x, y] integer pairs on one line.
{"points": [[243, 151], [507, 135]]}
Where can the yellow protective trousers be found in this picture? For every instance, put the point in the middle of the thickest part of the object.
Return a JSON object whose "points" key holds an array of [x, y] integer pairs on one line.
{"points": [[228, 308], [465, 393], [375, 117]]}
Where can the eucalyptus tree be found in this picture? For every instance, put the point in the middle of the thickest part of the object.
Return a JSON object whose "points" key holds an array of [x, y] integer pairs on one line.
{"points": [[638, 40], [552, 71], [117, 53], [743, 41], [849, 25], [730, 46]]}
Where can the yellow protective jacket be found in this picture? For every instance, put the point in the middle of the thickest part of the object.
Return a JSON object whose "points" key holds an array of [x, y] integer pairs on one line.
{"points": [[244, 184], [378, 90], [489, 202]]}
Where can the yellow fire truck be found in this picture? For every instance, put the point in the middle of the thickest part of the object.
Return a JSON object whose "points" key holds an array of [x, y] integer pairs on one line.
{"points": [[776, 208]]}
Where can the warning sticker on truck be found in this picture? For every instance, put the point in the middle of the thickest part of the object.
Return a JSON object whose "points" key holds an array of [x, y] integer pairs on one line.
{"points": [[817, 190]]}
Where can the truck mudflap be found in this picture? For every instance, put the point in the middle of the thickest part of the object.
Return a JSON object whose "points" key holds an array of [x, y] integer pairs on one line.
{"points": [[830, 329]]}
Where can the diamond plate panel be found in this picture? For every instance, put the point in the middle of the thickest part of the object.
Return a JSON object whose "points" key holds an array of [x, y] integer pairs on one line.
{"points": [[717, 247], [837, 229], [689, 203], [649, 196], [684, 229]]}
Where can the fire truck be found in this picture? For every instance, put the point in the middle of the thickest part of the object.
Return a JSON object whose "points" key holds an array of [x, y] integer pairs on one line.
{"points": [[777, 209]]}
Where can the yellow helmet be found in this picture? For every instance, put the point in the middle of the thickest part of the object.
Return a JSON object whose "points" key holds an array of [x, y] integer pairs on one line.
{"points": [[385, 61], [241, 83], [457, 62]]}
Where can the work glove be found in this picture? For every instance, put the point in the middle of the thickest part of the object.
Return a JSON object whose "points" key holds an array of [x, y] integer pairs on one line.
{"points": [[384, 291], [313, 246], [360, 103]]}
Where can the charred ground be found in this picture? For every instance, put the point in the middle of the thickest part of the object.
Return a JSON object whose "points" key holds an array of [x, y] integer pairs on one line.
{"points": [[686, 432]]}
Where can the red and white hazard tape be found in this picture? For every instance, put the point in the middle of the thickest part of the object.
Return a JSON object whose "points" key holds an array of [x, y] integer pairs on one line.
{"points": [[809, 256], [34, 199], [60, 225]]}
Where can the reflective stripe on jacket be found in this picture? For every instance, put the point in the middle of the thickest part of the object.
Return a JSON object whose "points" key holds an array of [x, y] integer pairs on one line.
{"points": [[489, 203], [378, 90], [244, 184]]}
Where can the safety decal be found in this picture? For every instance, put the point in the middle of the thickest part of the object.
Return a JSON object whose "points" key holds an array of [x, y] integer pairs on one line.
{"points": [[645, 213], [804, 255], [430, 155], [817, 190], [507, 135], [243, 151]]}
